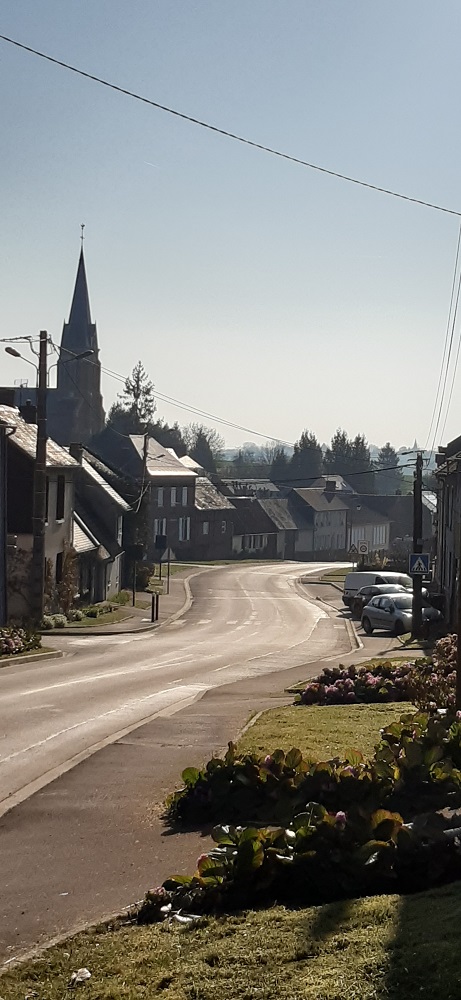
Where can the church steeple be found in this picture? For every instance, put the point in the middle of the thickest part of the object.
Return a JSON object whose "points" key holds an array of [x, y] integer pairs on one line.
{"points": [[79, 334], [75, 407]]}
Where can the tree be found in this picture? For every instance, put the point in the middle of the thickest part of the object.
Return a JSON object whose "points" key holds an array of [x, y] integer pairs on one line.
{"points": [[338, 457], [391, 481], [280, 467], [362, 477], [134, 412], [350, 459], [306, 463], [204, 444]]}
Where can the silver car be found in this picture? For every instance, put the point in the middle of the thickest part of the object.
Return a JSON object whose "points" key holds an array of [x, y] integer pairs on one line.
{"points": [[394, 612]]}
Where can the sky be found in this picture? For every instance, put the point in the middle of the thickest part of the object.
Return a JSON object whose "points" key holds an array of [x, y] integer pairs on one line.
{"points": [[268, 294]]}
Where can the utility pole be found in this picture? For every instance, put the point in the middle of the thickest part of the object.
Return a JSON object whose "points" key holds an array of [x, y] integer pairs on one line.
{"points": [[417, 617], [39, 503]]}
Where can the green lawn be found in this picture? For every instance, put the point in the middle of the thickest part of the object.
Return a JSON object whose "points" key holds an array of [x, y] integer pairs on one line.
{"points": [[382, 948], [321, 731]]}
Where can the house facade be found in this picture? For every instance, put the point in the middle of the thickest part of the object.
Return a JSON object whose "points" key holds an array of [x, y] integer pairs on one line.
{"points": [[212, 524], [448, 544], [159, 489], [97, 529], [21, 443]]}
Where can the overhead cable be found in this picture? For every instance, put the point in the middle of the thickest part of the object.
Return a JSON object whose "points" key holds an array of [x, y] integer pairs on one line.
{"points": [[226, 133]]}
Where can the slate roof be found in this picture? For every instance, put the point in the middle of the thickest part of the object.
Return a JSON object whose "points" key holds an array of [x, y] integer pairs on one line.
{"points": [[79, 334], [362, 514], [320, 500], [160, 461], [104, 485], [82, 539], [208, 497], [25, 438], [279, 513], [251, 518]]}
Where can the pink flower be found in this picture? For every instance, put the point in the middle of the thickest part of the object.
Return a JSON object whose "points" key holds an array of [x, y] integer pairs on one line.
{"points": [[340, 819]]}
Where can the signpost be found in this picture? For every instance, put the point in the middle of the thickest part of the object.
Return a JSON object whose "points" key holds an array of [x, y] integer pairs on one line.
{"points": [[419, 563], [363, 548]]}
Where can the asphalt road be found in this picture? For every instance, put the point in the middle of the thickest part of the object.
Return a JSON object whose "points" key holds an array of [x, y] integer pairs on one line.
{"points": [[244, 621]]}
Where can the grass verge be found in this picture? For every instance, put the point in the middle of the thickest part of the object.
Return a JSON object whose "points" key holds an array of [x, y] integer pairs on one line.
{"points": [[106, 619], [321, 731], [384, 947]]}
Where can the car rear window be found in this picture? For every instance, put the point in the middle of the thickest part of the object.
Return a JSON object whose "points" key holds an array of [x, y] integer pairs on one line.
{"points": [[404, 602]]}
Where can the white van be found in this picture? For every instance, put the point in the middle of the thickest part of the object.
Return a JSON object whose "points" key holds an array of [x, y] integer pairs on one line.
{"points": [[354, 581]]}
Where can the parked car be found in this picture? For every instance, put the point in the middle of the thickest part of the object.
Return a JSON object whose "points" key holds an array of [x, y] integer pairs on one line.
{"points": [[395, 614], [365, 594], [355, 581]]}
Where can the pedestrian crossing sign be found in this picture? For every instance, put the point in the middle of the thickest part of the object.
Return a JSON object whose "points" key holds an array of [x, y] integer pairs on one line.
{"points": [[353, 551], [419, 563]]}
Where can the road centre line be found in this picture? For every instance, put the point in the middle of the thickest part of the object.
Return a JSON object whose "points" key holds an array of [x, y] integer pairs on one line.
{"points": [[131, 705]]}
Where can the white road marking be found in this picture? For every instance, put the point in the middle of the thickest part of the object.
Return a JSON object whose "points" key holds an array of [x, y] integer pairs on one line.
{"points": [[191, 689]]}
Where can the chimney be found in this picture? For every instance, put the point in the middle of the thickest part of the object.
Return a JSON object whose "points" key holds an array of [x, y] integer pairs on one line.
{"points": [[330, 486], [28, 412], [76, 450]]}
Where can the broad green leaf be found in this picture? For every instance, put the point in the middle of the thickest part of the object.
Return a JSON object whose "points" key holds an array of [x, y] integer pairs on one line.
{"points": [[190, 776], [293, 758], [353, 757]]}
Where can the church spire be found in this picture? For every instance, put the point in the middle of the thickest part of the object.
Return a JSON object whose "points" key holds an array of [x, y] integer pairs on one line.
{"points": [[80, 313]]}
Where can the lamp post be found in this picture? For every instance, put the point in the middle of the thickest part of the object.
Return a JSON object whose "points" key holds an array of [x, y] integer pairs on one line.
{"points": [[39, 499]]}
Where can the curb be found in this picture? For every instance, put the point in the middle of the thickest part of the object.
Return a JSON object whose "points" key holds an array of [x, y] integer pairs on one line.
{"points": [[107, 630], [52, 654]]}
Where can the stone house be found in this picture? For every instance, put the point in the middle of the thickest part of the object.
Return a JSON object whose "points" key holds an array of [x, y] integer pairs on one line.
{"points": [[21, 443]]}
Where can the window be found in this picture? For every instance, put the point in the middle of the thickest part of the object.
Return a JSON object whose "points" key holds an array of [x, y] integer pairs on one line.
{"points": [[206, 527], [59, 561], [160, 526], [160, 496], [184, 496], [223, 527], [184, 529], [173, 496], [60, 493]]}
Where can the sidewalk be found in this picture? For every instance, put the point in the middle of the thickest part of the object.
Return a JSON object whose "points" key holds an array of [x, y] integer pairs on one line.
{"points": [[171, 606]]}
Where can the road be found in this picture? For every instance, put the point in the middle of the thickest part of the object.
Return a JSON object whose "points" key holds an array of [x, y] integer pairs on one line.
{"points": [[245, 620]]}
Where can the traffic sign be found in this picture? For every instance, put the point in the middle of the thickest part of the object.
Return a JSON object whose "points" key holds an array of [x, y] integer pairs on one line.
{"points": [[363, 548], [419, 563], [353, 551]]}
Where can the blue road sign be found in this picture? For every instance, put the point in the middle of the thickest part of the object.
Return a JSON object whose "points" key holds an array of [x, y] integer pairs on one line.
{"points": [[419, 563]]}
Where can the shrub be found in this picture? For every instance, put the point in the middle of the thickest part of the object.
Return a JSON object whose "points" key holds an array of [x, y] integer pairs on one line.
{"points": [[14, 640], [320, 856], [417, 761], [348, 685], [47, 622], [123, 597], [75, 615], [59, 621], [92, 611], [444, 654], [144, 571]]}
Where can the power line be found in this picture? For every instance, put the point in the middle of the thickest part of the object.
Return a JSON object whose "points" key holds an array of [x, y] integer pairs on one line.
{"points": [[447, 366], [225, 132], [447, 332], [189, 409]]}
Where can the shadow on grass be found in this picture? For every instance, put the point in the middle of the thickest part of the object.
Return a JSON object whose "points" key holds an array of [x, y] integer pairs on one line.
{"points": [[423, 958]]}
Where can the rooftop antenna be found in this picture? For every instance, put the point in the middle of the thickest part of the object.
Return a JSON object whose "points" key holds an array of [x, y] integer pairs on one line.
{"points": [[82, 235]]}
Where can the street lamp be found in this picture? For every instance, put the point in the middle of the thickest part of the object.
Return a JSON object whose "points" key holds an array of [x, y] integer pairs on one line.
{"points": [[75, 357]]}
